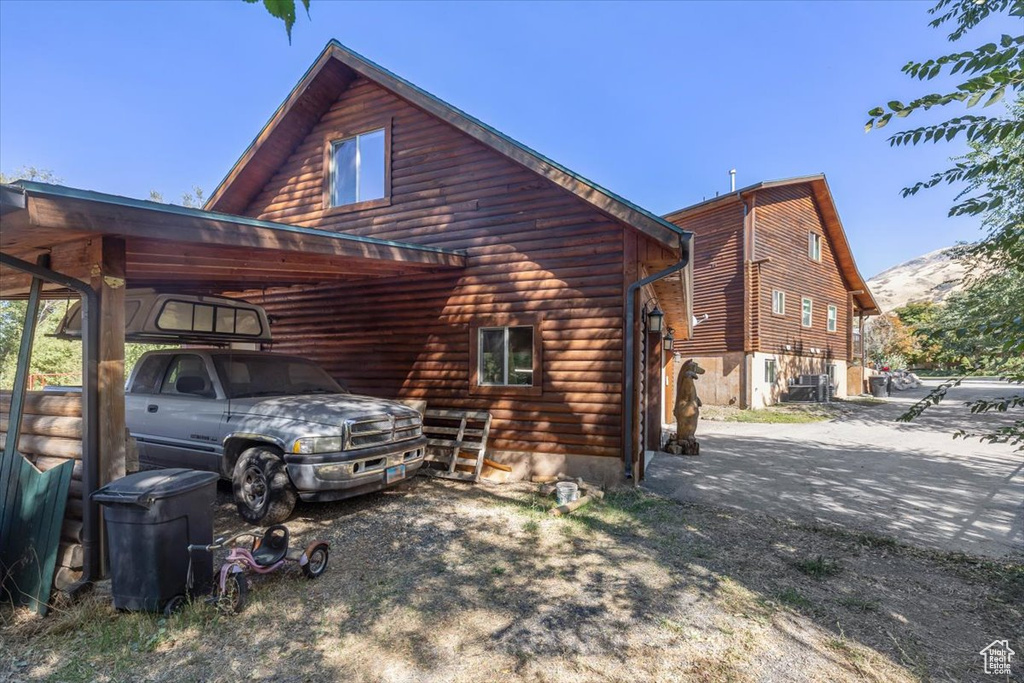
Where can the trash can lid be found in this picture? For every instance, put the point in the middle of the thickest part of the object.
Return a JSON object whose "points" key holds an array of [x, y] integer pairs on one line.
{"points": [[142, 488]]}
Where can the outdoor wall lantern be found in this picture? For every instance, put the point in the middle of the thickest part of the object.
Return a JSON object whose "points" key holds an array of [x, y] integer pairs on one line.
{"points": [[654, 320], [668, 340]]}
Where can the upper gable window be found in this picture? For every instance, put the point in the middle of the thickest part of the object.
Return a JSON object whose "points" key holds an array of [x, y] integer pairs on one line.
{"points": [[814, 246], [358, 168]]}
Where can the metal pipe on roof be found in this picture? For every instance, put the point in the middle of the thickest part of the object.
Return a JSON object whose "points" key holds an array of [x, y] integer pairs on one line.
{"points": [[685, 240]]}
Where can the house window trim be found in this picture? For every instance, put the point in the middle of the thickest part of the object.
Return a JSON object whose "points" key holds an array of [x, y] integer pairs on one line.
{"points": [[490, 322], [339, 135], [807, 314], [782, 298], [814, 238], [775, 371], [832, 319]]}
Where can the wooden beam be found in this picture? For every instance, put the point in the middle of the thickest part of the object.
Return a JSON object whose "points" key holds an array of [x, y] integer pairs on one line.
{"points": [[108, 218], [107, 268]]}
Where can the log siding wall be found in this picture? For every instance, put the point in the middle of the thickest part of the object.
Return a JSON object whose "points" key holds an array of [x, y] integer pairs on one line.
{"points": [[718, 281], [783, 218], [533, 249]]}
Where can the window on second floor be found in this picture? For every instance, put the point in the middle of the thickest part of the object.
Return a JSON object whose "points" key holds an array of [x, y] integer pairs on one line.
{"points": [[833, 318], [358, 168], [808, 310], [778, 302], [814, 246]]}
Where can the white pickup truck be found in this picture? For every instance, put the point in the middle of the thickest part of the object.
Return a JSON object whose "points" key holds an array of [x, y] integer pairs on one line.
{"points": [[277, 426]]}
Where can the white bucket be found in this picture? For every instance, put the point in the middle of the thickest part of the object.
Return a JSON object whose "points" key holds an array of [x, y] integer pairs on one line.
{"points": [[566, 492]]}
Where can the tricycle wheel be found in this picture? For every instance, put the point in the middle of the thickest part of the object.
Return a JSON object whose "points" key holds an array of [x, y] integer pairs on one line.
{"points": [[174, 605], [236, 590], [263, 492], [317, 556]]}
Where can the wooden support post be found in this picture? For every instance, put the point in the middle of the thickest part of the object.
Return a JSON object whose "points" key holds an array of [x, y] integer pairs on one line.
{"points": [[653, 386], [107, 277]]}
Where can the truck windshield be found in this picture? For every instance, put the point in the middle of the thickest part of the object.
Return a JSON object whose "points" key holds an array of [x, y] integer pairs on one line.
{"points": [[246, 376]]}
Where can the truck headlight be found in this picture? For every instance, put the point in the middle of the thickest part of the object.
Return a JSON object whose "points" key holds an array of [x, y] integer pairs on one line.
{"points": [[308, 445]]}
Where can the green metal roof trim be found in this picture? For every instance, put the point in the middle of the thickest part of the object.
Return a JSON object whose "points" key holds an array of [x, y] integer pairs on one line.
{"points": [[48, 190], [334, 44]]}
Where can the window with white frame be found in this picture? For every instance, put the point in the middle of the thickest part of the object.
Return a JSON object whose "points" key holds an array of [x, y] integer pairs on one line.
{"points": [[771, 369], [778, 302], [807, 307], [505, 356], [814, 246], [833, 318], [358, 168]]}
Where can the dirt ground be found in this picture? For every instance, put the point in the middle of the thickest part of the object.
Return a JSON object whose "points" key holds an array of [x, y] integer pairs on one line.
{"points": [[442, 581]]}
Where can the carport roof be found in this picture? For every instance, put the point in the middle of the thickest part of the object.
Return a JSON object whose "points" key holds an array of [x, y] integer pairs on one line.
{"points": [[176, 246]]}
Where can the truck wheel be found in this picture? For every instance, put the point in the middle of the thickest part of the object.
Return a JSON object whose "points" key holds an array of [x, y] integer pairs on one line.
{"points": [[263, 493]]}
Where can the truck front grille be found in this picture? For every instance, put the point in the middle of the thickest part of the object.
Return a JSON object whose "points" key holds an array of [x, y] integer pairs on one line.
{"points": [[385, 429]]}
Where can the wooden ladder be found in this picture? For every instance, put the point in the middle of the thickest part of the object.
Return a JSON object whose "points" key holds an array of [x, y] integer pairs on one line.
{"points": [[452, 436]]}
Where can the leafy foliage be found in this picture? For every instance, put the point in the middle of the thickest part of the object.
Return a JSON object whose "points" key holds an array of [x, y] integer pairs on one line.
{"points": [[41, 175], [283, 10], [980, 329], [889, 342]]}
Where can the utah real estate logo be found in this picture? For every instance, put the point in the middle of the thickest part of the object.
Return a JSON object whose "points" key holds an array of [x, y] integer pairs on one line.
{"points": [[997, 657]]}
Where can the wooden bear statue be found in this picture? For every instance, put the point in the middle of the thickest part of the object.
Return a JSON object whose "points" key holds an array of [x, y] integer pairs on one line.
{"points": [[687, 410]]}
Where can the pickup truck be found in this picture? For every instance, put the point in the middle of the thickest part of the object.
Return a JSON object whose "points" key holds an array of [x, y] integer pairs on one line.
{"points": [[278, 427]]}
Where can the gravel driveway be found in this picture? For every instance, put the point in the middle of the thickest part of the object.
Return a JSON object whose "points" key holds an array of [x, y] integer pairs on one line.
{"points": [[864, 471]]}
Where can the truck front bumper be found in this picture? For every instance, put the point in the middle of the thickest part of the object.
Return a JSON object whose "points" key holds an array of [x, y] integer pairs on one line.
{"points": [[334, 476]]}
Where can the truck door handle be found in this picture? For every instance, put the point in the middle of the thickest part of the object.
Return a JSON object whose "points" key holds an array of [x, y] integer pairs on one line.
{"points": [[152, 408]]}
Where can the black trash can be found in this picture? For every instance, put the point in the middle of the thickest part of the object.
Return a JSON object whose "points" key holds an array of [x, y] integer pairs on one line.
{"points": [[879, 386], [151, 518]]}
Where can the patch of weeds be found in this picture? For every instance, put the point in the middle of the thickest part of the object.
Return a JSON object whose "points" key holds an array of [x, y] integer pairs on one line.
{"points": [[793, 598], [877, 541], [862, 401], [673, 625], [497, 570], [531, 527], [858, 604], [819, 567]]}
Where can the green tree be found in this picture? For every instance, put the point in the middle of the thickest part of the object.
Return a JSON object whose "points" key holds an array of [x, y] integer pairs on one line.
{"points": [[918, 318], [41, 175], [989, 338]]}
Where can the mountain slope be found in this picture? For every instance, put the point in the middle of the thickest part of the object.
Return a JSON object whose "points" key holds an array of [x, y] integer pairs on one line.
{"points": [[931, 277]]}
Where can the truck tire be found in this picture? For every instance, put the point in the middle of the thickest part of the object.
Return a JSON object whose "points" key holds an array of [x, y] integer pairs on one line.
{"points": [[263, 493]]}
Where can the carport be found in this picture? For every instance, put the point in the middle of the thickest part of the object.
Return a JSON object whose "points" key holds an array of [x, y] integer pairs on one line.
{"points": [[94, 245]]}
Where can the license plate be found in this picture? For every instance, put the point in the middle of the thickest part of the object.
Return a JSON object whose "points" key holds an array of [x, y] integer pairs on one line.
{"points": [[394, 473]]}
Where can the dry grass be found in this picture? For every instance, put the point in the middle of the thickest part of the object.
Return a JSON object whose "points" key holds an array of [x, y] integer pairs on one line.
{"points": [[437, 581]]}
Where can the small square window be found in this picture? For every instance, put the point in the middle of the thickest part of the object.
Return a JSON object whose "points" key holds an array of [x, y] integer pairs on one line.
{"points": [[770, 370], [808, 310], [778, 302], [833, 318], [814, 246], [358, 168], [505, 356]]}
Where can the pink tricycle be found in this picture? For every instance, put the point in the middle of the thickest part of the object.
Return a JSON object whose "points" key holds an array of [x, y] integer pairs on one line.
{"points": [[269, 553]]}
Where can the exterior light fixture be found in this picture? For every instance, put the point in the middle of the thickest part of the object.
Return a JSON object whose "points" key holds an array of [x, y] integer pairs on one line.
{"points": [[669, 340], [654, 320]]}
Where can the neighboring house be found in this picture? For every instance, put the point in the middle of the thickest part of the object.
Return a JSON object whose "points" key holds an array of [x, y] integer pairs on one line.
{"points": [[532, 329], [775, 275]]}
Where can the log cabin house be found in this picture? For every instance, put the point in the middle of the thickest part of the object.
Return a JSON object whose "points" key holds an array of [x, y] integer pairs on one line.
{"points": [[530, 330], [412, 250], [776, 277]]}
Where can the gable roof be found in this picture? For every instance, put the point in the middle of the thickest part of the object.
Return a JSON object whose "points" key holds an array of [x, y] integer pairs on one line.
{"points": [[830, 216], [327, 78]]}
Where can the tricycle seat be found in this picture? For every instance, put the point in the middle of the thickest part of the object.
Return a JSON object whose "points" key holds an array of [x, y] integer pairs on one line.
{"points": [[273, 547]]}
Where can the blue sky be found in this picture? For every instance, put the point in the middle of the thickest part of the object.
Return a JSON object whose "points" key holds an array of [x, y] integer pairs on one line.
{"points": [[654, 101]]}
